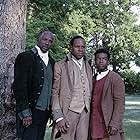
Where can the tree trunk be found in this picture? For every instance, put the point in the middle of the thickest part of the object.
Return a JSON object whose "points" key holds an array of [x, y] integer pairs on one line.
{"points": [[12, 41]]}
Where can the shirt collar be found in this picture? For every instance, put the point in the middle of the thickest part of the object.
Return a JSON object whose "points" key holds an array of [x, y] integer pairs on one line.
{"points": [[41, 54], [78, 62], [102, 74]]}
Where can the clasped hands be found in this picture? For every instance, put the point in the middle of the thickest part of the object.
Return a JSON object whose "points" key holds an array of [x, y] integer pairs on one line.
{"points": [[112, 131], [27, 121], [63, 126]]}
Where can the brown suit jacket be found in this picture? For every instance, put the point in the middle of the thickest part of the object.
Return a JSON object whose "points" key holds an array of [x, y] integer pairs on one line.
{"points": [[113, 103], [62, 86]]}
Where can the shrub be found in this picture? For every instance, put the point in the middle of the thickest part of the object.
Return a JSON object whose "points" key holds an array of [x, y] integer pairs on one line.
{"points": [[132, 81]]}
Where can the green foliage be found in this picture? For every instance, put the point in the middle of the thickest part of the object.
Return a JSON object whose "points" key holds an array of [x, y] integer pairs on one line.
{"points": [[41, 15], [87, 18], [115, 20], [132, 81]]}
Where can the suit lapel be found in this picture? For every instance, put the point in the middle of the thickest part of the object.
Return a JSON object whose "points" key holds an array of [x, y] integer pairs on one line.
{"points": [[69, 72], [70, 69], [106, 84], [89, 74]]}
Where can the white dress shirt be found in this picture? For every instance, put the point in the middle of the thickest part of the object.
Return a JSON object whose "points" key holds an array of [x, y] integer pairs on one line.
{"points": [[102, 74], [43, 56]]}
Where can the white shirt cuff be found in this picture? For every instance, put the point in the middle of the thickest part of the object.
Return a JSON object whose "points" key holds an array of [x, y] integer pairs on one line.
{"points": [[59, 119]]}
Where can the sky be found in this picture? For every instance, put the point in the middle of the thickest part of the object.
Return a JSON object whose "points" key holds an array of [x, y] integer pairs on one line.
{"points": [[136, 11]]}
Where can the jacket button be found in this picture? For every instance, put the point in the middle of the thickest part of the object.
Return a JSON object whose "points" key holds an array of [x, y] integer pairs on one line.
{"points": [[41, 85], [42, 77]]}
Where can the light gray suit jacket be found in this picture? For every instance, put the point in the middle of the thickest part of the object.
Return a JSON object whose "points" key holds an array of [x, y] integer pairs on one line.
{"points": [[62, 84]]}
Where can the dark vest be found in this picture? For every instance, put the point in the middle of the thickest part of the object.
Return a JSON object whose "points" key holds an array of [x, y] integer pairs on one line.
{"points": [[43, 101]]}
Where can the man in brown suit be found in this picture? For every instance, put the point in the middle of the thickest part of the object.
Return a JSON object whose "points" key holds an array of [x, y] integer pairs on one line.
{"points": [[108, 101], [72, 92]]}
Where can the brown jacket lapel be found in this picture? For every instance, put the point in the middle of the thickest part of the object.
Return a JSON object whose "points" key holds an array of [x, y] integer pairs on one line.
{"points": [[89, 74], [107, 82], [69, 70]]}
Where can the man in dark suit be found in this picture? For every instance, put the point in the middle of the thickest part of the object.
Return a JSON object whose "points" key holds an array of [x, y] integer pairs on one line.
{"points": [[33, 73]]}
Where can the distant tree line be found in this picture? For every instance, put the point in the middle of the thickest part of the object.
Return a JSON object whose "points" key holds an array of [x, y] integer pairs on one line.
{"points": [[132, 82]]}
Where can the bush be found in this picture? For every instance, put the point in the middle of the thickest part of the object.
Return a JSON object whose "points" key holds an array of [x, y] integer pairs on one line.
{"points": [[132, 81]]}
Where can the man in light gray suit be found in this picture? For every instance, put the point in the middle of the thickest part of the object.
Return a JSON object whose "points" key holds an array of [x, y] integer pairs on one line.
{"points": [[72, 92]]}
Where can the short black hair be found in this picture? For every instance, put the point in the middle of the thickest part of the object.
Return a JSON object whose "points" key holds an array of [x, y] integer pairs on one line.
{"points": [[75, 37], [102, 50]]}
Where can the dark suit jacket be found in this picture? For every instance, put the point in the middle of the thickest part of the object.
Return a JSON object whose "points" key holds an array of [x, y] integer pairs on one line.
{"points": [[28, 78], [28, 82]]}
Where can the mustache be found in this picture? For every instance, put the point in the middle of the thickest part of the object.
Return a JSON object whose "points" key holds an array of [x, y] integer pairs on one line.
{"points": [[45, 45]]}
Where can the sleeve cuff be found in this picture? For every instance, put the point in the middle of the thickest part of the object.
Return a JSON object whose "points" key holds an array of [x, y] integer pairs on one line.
{"points": [[25, 113], [57, 114], [59, 119]]}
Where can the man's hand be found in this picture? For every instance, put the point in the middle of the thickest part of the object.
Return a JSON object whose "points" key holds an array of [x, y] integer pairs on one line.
{"points": [[112, 130], [27, 121], [63, 126]]}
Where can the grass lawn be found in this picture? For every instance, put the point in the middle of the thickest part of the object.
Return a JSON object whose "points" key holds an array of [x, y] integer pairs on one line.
{"points": [[131, 119]]}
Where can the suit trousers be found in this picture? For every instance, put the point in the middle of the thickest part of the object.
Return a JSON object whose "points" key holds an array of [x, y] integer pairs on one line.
{"points": [[36, 130], [78, 126]]}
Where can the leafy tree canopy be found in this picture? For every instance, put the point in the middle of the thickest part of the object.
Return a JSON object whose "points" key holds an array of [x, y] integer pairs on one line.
{"points": [[114, 20]]}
